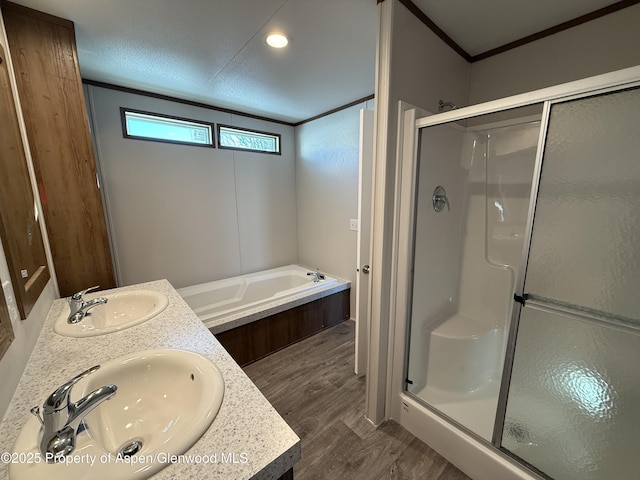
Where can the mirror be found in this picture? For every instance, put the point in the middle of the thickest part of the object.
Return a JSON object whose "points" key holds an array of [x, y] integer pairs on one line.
{"points": [[19, 218]]}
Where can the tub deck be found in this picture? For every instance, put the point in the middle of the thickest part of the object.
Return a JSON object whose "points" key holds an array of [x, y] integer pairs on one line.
{"points": [[234, 302]]}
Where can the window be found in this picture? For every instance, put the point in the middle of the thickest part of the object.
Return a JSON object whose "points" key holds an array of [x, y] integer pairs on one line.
{"points": [[248, 140], [164, 128]]}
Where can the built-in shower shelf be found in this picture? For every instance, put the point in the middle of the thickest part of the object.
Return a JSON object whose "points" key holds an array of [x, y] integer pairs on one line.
{"points": [[464, 354], [461, 326]]}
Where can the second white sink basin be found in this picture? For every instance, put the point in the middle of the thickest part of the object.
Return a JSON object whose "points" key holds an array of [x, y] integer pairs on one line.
{"points": [[165, 401], [122, 310]]}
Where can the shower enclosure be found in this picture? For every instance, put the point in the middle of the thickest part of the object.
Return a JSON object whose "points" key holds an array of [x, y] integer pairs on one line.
{"points": [[466, 258], [522, 314]]}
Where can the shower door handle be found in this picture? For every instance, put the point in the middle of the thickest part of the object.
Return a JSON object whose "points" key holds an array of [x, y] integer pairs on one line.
{"points": [[366, 269]]}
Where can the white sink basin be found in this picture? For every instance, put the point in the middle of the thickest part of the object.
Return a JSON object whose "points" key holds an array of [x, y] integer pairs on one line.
{"points": [[166, 400], [122, 310]]}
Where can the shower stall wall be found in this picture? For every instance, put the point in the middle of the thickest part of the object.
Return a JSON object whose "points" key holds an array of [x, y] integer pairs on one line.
{"points": [[465, 261], [517, 316]]}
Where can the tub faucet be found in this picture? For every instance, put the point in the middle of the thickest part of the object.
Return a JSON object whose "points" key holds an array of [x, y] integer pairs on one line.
{"points": [[61, 418], [317, 276], [79, 308]]}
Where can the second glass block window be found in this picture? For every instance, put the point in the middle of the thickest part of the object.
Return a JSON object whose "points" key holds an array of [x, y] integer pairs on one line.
{"points": [[249, 140]]}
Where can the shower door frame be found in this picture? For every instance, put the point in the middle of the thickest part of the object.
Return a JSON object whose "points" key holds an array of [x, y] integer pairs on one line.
{"points": [[400, 399]]}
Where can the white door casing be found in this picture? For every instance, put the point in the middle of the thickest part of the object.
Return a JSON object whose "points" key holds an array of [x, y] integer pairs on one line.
{"points": [[365, 200]]}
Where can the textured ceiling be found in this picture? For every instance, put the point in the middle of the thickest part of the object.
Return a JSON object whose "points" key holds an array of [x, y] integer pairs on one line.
{"points": [[212, 51]]}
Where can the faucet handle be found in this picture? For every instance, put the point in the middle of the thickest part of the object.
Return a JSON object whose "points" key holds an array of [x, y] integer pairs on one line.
{"points": [[59, 399], [80, 295]]}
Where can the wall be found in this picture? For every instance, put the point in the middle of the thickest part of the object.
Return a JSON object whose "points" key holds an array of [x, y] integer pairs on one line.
{"points": [[438, 237], [327, 156], [501, 166], [26, 331], [603, 45], [192, 214], [424, 69], [413, 65]]}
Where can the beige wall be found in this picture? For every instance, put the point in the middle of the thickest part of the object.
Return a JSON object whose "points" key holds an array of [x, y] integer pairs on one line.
{"points": [[26, 331], [327, 193], [415, 66], [602, 45], [423, 68], [192, 214]]}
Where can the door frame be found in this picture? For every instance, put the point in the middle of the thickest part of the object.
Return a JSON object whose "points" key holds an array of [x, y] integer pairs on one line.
{"points": [[363, 248]]}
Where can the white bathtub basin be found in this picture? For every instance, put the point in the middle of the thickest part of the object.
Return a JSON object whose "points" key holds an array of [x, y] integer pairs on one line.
{"points": [[166, 400], [215, 301], [122, 310]]}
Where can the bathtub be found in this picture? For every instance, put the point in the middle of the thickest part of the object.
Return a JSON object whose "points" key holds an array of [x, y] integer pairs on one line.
{"points": [[232, 302]]}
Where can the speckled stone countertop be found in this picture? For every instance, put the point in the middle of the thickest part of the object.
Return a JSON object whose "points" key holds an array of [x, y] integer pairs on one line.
{"points": [[278, 305], [246, 423]]}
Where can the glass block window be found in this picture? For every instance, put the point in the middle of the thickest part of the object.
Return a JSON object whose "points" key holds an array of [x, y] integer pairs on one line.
{"points": [[248, 140], [162, 128]]}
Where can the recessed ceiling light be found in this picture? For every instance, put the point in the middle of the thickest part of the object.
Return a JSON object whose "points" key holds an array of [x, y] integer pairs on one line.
{"points": [[276, 40]]}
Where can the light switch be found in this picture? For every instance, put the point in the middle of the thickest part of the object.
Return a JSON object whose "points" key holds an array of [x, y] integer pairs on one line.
{"points": [[353, 224]]}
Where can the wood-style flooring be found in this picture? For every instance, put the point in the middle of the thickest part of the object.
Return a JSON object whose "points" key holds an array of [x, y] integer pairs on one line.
{"points": [[313, 387]]}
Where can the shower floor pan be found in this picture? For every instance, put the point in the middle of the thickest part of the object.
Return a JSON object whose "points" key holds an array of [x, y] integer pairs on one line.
{"points": [[474, 410]]}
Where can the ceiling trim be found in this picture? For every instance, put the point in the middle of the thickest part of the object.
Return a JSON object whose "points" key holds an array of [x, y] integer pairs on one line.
{"points": [[337, 109], [413, 8], [614, 7], [192, 103]]}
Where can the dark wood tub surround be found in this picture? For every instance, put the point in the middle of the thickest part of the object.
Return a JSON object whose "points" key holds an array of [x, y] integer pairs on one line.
{"points": [[255, 340], [288, 475]]}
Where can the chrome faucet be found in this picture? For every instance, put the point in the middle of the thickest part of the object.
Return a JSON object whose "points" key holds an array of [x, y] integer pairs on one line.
{"points": [[61, 418], [317, 276], [79, 307]]}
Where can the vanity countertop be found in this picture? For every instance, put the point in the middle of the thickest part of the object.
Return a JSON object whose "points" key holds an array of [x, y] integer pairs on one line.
{"points": [[248, 436]]}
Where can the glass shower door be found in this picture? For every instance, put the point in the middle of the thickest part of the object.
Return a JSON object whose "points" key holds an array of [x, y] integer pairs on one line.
{"points": [[473, 184], [573, 405]]}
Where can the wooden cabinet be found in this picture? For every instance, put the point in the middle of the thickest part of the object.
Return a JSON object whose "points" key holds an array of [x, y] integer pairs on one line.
{"points": [[45, 62]]}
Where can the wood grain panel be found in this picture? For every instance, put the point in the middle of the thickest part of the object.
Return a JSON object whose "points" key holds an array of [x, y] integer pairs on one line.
{"points": [[312, 386], [288, 475], [238, 343], [19, 227], [276, 332], [258, 339], [50, 89], [336, 309], [6, 332]]}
